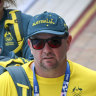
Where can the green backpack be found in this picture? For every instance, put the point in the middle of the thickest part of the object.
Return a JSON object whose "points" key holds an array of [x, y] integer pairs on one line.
{"points": [[17, 73], [14, 19], [8, 63]]}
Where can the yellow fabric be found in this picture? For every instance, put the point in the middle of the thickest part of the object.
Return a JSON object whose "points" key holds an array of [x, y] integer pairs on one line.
{"points": [[19, 46], [24, 89], [24, 92], [16, 27], [82, 82], [8, 62], [24, 86], [8, 22]]}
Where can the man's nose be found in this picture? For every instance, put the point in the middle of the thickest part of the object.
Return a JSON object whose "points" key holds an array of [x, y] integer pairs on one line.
{"points": [[47, 48]]}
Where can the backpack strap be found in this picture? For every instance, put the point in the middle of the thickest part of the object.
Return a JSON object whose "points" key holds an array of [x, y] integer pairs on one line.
{"points": [[6, 61], [21, 80], [2, 69], [15, 23], [3, 59]]}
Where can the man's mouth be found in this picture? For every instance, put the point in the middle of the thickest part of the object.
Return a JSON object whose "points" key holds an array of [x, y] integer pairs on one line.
{"points": [[48, 58]]}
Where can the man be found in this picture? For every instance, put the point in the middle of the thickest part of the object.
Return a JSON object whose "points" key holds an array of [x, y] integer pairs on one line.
{"points": [[50, 73]]}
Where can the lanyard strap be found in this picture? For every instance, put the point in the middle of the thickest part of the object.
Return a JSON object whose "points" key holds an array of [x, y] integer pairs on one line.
{"points": [[65, 82], [35, 83]]}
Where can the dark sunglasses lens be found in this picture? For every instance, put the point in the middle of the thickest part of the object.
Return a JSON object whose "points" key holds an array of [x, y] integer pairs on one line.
{"points": [[54, 42], [37, 44]]}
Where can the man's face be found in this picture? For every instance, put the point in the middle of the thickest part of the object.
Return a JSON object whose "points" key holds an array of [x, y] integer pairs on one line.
{"points": [[50, 58]]}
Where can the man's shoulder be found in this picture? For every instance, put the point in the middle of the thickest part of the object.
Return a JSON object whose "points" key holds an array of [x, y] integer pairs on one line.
{"points": [[7, 85], [26, 66], [82, 80], [81, 70], [5, 74], [5, 78]]}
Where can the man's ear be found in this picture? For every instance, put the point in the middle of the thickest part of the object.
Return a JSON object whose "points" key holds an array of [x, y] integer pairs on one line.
{"points": [[69, 39], [29, 43]]}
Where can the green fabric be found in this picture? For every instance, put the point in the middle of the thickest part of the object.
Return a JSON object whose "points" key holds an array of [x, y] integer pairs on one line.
{"points": [[8, 41], [18, 72], [47, 22], [6, 61]]}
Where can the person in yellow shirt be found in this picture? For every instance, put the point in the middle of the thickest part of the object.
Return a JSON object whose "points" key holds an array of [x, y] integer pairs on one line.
{"points": [[50, 73]]}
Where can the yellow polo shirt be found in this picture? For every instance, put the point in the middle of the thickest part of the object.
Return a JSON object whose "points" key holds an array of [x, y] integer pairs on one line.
{"points": [[82, 82]]}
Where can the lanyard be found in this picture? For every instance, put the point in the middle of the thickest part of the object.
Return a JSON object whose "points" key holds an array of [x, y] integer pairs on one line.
{"points": [[65, 82]]}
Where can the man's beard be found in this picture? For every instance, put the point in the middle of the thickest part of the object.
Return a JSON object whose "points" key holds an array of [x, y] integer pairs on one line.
{"points": [[54, 65]]}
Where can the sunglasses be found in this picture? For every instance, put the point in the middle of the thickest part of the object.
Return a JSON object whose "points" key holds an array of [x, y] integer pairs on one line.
{"points": [[53, 42]]}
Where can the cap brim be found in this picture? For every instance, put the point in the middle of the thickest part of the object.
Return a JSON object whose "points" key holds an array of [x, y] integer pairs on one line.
{"points": [[48, 31]]}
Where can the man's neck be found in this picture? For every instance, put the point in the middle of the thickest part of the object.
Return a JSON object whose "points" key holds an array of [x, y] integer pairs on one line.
{"points": [[52, 73]]}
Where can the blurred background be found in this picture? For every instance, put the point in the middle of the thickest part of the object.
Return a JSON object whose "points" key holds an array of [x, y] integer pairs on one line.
{"points": [[80, 16]]}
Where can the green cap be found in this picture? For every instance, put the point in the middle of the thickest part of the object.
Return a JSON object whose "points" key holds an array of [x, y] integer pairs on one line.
{"points": [[47, 22]]}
